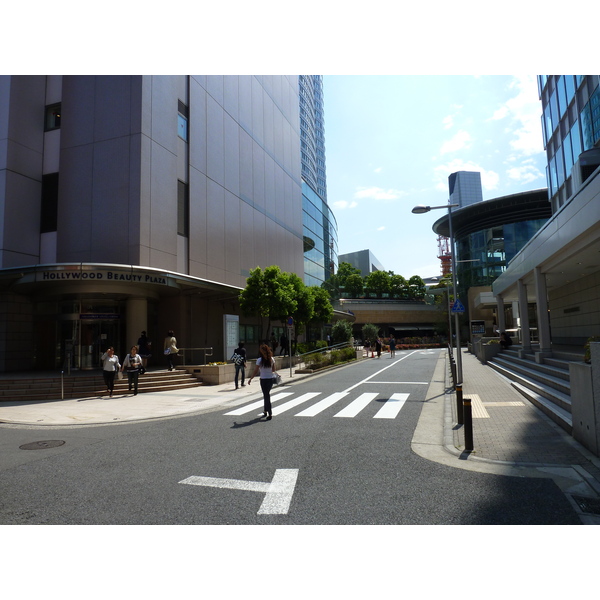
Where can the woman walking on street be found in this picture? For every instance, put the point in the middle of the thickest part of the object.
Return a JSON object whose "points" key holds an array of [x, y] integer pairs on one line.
{"points": [[110, 365], [265, 365]]}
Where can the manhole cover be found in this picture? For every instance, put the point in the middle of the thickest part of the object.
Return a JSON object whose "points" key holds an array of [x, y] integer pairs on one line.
{"points": [[588, 505], [42, 445]]}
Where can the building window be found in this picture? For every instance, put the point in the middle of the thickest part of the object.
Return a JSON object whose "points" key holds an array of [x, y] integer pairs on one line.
{"points": [[183, 209], [52, 117], [182, 120], [49, 216]]}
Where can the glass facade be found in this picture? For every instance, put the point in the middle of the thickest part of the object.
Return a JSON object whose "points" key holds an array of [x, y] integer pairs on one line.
{"points": [[320, 238], [319, 225], [487, 252], [570, 125]]}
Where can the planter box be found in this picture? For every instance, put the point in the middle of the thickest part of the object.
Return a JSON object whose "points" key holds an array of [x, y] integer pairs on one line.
{"points": [[213, 374]]}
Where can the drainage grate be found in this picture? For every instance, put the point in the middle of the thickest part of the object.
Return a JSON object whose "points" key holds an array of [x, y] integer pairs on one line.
{"points": [[588, 505], [42, 445]]}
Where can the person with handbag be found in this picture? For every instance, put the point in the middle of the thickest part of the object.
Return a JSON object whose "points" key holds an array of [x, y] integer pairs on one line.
{"points": [[171, 349], [132, 365], [265, 365], [239, 359], [110, 365]]}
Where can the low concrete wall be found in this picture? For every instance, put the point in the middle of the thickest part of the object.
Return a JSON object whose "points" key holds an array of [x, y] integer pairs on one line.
{"points": [[585, 400]]}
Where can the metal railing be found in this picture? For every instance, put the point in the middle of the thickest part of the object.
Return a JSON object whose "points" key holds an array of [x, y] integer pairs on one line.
{"points": [[184, 351]]}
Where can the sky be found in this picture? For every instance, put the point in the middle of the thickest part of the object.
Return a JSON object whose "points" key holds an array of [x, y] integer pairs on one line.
{"points": [[392, 141]]}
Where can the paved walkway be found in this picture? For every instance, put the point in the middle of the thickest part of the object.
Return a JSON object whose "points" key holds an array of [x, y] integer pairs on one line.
{"points": [[511, 436]]}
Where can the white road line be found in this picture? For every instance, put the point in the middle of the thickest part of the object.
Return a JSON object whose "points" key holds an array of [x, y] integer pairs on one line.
{"points": [[293, 403], [380, 371], [392, 407], [278, 493], [258, 405], [400, 382], [357, 405], [315, 409]]}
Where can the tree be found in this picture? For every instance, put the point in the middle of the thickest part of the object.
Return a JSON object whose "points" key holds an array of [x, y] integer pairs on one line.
{"points": [[378, 282], [417, 287], [322, 309], [369, 332], [398, 286], [269, 294], [354, 286], [336, 284], [305, 300], [341, 331]]}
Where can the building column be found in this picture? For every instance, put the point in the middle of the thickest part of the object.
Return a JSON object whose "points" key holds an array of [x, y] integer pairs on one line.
{"points": [[500, 310], [524, 319], [543, 318], [137, 319]]}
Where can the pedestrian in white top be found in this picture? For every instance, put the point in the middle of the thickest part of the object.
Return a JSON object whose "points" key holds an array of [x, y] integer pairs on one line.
{"points": [[110, 365], [265, 365]]}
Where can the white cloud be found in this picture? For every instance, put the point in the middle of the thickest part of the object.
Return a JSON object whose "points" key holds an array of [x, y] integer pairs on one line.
{"points": [[377, 193], [489, 179], [380, 228], [524, 111], [448, 121], [462, 139], [378, 170], [526, 173], [343, 204]]}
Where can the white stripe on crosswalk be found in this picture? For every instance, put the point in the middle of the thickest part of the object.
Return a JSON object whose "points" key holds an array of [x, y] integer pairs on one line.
{"points": [[315, 409], [258, 405], [293, 403], [392, 407], [357, 405]]}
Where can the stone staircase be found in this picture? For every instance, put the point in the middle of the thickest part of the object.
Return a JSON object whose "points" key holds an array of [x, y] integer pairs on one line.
{"points": [[84, 385], [546, 385]]}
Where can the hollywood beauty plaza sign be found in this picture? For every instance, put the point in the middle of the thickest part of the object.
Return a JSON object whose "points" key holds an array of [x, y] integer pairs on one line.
{"points": [[100, 275]]}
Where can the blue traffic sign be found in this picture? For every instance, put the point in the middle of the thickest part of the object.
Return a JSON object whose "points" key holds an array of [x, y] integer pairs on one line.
{"points": [[458, 307]]}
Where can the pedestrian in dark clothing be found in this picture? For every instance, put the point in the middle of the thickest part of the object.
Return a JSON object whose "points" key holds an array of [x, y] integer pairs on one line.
{"points": [[239, 359], [378, 347], [283, 342], [505, 341]]}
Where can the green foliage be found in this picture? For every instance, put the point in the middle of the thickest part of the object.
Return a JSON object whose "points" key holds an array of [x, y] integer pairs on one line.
{"points": [[341, 332], [369, 332], [588, 353], [417, 287], [322, 309], [354, 286], [378, 282]]}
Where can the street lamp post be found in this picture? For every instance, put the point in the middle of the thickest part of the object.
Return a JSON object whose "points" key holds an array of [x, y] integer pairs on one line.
{"points": [[419, 210]]}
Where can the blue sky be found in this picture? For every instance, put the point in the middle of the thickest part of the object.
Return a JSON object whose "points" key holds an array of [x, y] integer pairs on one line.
{"points": [[392, 141]]}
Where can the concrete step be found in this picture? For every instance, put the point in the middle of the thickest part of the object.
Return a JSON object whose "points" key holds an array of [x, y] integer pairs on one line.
{"points": [[560, 416], [551, 376], [555, 404], [92, 385]]}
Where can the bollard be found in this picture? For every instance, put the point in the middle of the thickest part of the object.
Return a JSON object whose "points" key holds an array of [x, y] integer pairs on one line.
{"points": [[468, 419], [453, 372], [459, 404], [62, 386]]}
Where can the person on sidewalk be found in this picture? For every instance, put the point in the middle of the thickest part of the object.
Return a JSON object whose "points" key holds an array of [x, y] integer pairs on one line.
{"points": [[132, 365], [239, 359], [144, 345], [171, 349], [392, 346], [265, 365], [110, 366], [505, 341], [378, 346]]}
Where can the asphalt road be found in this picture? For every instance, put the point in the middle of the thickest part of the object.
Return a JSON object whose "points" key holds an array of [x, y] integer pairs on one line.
{"points": [[331, 455]]}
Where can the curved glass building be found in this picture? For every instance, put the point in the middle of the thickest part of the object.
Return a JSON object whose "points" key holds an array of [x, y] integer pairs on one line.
{"points": [[319, 225]]}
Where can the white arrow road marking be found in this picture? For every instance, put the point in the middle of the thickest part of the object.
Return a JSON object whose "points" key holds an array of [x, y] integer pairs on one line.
{"points": [[278, 493]]}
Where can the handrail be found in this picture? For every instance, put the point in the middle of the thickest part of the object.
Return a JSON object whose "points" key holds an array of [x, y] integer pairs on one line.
{"points": [[184, 350]]}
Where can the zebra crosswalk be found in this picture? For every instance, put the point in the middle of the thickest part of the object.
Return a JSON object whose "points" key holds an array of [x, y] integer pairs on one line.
{"points": [[389, 410]]}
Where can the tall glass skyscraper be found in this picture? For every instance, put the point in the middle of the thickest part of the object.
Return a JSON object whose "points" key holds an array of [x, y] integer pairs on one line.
{"points": [[570, 126], [320, 227]]}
